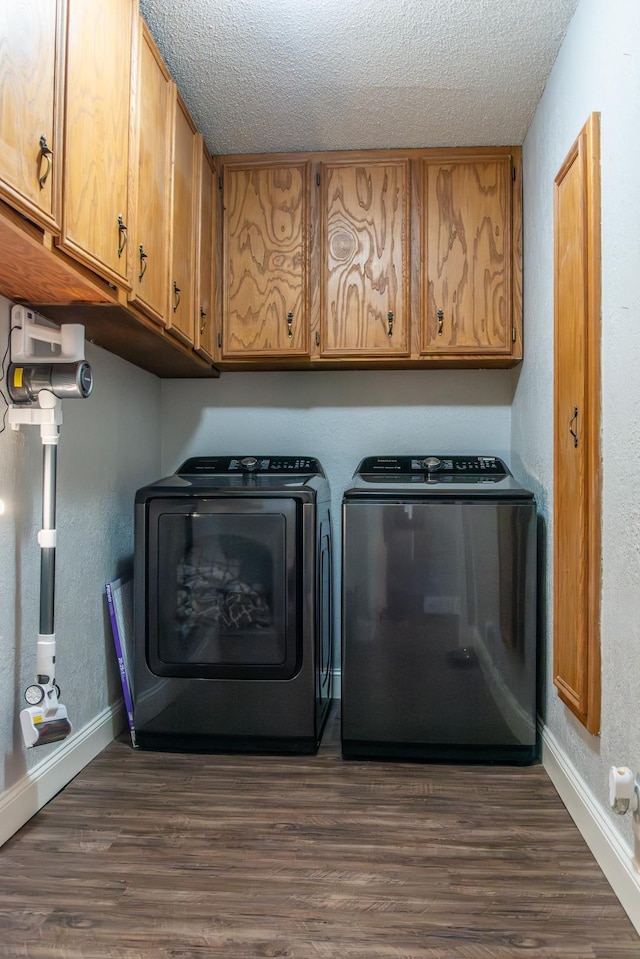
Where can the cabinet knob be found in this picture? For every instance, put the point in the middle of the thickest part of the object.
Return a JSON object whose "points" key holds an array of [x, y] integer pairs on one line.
{"points": [[45, 154], [143, 263], [440, 321], [390, 324], [122, 234], [176, 296], [289, 325]]}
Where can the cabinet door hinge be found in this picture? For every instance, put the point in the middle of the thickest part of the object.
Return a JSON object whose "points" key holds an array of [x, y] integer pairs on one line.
{"points": [[220, 341], [513, 334]]}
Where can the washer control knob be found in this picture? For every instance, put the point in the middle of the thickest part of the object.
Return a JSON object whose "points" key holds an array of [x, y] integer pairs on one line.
{"points": [[249, 463], [432, 463]]}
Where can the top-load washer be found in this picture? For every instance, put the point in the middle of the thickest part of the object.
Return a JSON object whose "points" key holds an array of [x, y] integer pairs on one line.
{"points": [[439, 611], [232, 600]]}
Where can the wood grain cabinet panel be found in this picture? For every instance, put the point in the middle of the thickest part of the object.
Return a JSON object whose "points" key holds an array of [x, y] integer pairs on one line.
{"points": [[151, 228], [365, 258], [206, 320], [31, 73], [265, 223], [184, 204], [467, 241], [98, 142]]}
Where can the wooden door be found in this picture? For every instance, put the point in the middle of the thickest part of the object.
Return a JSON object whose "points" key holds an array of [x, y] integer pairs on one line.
{"points": [[206, 326], [265, 224], [185, 186], [152, 209], [31, 73], [577, 428], [98, 142], [467, 255], [365, 258]]}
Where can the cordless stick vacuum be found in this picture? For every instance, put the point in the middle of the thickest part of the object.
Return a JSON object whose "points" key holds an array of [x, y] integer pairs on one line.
{"points": [[37, 383]]}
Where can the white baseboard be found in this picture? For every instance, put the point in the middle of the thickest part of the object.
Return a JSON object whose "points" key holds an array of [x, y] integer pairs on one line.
{"points": [[40, 784], [610, 851]]}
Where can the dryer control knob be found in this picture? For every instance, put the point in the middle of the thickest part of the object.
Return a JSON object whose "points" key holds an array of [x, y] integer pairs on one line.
{"points": [[432, 463], [249, 463]]}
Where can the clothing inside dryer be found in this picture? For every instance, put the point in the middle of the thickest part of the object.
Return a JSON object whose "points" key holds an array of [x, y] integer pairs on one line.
{"points": [[224, 588]]}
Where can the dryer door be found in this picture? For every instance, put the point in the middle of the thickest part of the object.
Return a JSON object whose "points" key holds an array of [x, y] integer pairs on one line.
{"points": [[222, 588]]}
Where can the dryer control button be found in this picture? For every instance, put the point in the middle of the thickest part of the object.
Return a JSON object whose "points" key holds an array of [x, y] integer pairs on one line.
{"points": [[249, 463], [432, 463]]}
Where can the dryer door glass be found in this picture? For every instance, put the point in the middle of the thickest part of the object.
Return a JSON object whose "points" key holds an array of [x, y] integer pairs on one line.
{"points": [[222, 577]]}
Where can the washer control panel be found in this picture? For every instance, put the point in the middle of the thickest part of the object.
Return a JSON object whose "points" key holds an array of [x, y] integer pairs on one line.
{"points": [[215, 465], [435, 466]]}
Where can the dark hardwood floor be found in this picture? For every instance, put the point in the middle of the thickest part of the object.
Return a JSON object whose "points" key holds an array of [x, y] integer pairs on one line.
{"points": [[164, 856]]}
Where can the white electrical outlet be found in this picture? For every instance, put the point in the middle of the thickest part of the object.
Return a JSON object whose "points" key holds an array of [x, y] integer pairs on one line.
{"points": [[636, 826]]}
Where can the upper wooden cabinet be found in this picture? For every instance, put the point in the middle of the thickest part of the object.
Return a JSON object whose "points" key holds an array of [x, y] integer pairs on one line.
{"points": [[265, 270], [31, 85], [97, 145], [151, 226], [185, 186], [365, 258], [89, 169], [404, 258], [467, 269]]}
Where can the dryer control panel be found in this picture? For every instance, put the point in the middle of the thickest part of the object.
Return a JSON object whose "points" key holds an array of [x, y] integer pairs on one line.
{"points": [[217, 465]]}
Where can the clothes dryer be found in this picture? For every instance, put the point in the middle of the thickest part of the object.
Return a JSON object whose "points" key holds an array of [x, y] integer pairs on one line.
{"points": [[232, 606]]}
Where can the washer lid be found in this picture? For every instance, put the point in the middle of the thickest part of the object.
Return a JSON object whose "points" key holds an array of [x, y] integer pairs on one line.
{"points": [[470, 466], [435, 474]]}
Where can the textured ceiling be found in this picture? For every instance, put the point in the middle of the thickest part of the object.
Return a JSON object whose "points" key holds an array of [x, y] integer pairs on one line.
{"points": [[288, 75]]}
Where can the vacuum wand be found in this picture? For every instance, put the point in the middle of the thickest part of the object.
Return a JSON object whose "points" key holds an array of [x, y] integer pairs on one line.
{"points": [[45, 719], [47, 552]]}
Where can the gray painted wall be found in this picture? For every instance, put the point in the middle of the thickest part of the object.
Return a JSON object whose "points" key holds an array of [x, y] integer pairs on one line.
{"points": [[598, 69], [109, 446]]}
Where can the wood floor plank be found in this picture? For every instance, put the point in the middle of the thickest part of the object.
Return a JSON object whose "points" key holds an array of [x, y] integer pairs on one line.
{"points": [[181, 856]]}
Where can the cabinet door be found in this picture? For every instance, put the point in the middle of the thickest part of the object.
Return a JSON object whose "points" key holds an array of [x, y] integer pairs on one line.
{"points": [[265, 225], [186, 155], [365, 266], [205, 285], [467, 255], [31, 65], [577, 427], [152, 209], [97, 160]]}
